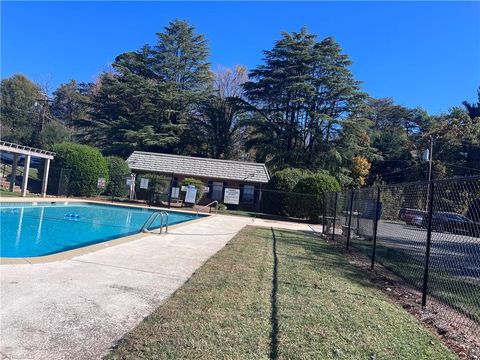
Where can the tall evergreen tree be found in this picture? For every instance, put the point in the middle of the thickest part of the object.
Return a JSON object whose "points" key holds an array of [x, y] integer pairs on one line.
{"points": [[473, 109], [279, 89], [393, 135], [220, 125], [456, 137], [153, 94], [20, 110], [303, 93], [70, 102]]}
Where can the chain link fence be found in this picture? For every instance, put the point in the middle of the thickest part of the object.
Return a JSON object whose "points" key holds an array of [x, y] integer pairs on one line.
{"points": [[427, 233]]}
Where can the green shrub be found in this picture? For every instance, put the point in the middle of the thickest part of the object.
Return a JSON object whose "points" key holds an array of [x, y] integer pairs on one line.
{"points": [[310, 204], [53, 133], [158, 189], [118, 172], [281, 183], [86, 165], [195, 182]]}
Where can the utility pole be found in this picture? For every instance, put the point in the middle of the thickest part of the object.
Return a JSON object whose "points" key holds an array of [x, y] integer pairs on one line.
{"points": [[42, 116]]}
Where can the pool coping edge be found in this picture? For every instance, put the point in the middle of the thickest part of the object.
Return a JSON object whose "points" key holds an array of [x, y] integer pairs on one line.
{"points": [[69, 254]]}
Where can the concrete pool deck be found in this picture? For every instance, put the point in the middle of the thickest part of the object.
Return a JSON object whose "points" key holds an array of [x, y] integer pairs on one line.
{"points": [[78, 308]]}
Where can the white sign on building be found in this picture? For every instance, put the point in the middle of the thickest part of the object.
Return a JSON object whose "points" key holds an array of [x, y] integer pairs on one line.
{"points": [[232, 196], [143, 183], [191, 194], [175, 192]]}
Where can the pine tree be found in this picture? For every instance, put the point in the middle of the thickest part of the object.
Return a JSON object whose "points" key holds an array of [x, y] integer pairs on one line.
{"points": [[302, 93], [153, 94], [220, 126], [473, 109], [70, 102], [279, 90], [19, 109]]}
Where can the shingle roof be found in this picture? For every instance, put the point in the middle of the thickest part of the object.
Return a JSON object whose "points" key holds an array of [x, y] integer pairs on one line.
{"points": [[201, 167]]}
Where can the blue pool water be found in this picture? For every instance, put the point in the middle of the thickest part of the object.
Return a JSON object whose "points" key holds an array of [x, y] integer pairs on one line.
{"points": [[29, 230]]}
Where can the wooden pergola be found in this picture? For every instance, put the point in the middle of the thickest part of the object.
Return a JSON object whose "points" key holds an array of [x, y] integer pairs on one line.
{"points": [[28, 152]]}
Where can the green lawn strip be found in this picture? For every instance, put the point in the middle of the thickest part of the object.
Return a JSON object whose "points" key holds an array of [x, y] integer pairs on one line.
{"points": [[6, 193], [455, 291], [326, 309], [223, 311]]}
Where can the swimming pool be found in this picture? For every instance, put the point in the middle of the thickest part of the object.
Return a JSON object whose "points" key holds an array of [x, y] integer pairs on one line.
{"points": [[38, 229]]}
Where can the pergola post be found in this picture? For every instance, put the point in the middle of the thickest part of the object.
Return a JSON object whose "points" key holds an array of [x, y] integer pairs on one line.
{"points": [[26, 170], [13, 175], [46, 168]]}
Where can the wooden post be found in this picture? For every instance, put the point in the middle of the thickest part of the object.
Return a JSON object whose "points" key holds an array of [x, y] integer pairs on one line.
{"points": [[13, 175], [46, 169], [26, 170]]}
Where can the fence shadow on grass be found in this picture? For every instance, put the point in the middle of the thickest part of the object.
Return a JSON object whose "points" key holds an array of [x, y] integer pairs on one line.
{"points": [[274, 304], [319, 253]]}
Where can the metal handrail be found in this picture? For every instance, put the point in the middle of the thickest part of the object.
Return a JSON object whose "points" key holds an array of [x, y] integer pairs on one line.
{"points": [[213, 202], [149, 221], [164, 215], [161, 223]]}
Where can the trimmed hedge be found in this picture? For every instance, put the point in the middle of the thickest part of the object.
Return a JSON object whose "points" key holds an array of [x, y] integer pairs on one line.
{"points": [[281, 183], [118, 171], [86, 165], [310, 206]]}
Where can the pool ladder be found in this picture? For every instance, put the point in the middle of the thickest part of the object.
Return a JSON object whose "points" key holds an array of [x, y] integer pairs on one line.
{"points": [[164, 215]]}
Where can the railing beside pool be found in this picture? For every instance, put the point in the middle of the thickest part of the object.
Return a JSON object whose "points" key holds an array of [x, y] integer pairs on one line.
{"points": [[209, 205], [164, 215]]}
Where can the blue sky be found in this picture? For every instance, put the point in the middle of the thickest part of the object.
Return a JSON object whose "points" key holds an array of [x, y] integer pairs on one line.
{"points": [[420, 53]]}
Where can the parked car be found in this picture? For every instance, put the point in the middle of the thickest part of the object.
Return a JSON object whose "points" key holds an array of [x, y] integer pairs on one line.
{"points": [[453, 223], [6, 158], [412, 216], [416, 220]]}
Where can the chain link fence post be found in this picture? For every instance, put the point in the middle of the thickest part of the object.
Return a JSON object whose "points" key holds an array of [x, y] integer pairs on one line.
{"points": [[334, 216], [259, 200], [431, 187], [349, 229], [375, 227], [170, 188], [324, 209], [64, 183]]}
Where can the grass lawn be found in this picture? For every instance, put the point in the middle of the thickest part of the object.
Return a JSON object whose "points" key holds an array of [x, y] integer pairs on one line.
{"points": [[294, 297], [6, 193]]}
